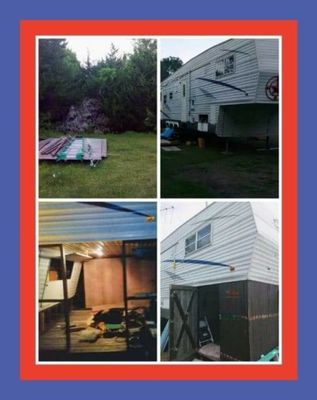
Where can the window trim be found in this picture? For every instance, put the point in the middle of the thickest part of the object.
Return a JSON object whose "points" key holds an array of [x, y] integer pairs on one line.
{"points": [[222, 59], [208, 234], [195, 235], [192, 243]]}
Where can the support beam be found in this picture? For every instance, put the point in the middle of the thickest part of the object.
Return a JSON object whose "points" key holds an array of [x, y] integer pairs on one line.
{"points": [[125, 292], [65, 300]]}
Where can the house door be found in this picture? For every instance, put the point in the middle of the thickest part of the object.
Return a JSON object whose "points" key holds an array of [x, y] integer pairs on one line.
{"points": [[183, 333]]}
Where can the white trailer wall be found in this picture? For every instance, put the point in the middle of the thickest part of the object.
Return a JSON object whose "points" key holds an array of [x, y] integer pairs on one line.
{"points": [[240, 249]]}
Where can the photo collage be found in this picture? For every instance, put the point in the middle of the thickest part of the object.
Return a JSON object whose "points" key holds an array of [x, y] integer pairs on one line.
{"points": [[158, 163]]}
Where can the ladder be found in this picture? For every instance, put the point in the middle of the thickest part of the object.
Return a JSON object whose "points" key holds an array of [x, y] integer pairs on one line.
{"points": [[164, 336], [204, 333]]}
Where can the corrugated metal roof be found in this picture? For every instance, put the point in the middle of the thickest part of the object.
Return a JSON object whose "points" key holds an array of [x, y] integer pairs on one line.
{"points": [[72, 222]]}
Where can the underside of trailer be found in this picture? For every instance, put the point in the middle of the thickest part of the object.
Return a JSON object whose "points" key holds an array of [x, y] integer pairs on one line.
{"points": [[235, 121]]}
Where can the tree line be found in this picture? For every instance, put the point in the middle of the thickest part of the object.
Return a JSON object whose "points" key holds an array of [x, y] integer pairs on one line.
{"points": [[125, 85], [169, 65]]}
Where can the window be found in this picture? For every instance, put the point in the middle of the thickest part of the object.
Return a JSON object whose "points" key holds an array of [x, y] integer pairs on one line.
{"points": [[164, 98], [203, 237], [171, 95], [184, 90], [198, 240], [225, 66], [55, 269], [190, 244]]}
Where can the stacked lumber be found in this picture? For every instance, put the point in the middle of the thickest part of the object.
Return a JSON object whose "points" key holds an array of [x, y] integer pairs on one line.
{"points": [[71, 148]]}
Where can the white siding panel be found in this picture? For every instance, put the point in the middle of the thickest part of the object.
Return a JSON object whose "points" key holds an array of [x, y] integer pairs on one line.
{"points": [[42, 274], [268, 55], [233, 236], [54, 289], [243, 237], [256, 60], [265, 261], [204, 93]]}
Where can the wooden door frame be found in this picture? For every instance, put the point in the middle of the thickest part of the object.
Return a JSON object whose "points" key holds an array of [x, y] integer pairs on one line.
{"points": [[173, 349]]}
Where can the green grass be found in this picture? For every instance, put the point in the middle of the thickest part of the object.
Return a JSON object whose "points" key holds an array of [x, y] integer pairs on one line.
{"points": [[129, 171], [208, 173]]}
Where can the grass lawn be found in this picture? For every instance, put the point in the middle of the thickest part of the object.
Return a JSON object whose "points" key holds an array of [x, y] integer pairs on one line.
{"points": [[207, 173], [129, 171]]}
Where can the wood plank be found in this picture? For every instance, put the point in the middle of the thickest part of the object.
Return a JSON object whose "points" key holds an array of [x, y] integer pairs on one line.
{"points": [[54, 338], [211, 351]]}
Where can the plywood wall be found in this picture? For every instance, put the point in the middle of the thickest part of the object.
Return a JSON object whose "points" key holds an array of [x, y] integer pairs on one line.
{"points": [[141, 276], [103, 280]]}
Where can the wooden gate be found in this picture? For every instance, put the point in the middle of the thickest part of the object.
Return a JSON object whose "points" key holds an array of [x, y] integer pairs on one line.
{"points": [[183, 334]]}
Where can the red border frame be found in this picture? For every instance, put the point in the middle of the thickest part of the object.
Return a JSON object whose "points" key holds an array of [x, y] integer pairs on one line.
{"points": [[288, 369]]}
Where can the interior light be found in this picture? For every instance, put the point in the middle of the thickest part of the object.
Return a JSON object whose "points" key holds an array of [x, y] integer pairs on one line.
{"points": [[99, 252]]}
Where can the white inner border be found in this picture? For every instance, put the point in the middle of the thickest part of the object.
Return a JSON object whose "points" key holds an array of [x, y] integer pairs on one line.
{"points": [[158, 200]]}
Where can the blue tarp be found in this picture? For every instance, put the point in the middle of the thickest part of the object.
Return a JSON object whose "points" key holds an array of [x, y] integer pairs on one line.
{"points": [[167, 134]]}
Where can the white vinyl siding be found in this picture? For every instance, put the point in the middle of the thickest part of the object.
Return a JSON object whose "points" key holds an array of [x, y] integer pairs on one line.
{"points": [[238, 238], [243, 63]]}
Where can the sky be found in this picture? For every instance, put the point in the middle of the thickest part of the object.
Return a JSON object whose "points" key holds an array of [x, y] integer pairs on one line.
{"points": [[175, 213], [99, 46], [187, 48]]}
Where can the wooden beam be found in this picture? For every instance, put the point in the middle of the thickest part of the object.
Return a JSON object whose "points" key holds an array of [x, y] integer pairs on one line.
{"points": [[125, 292], [65, 300]]}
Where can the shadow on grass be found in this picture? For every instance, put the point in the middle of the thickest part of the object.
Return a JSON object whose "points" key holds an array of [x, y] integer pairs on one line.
{"points": [[243, 173]]}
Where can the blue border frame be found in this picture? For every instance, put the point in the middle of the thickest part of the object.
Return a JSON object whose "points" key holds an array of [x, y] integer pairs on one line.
{"points": [[14, 11]]}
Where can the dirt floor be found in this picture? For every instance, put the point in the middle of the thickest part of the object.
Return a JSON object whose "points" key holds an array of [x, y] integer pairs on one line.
{"points": [[248, 171]]}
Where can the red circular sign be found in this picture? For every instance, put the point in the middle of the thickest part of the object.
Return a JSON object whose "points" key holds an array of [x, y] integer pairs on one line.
{"points": [[271, 88]]}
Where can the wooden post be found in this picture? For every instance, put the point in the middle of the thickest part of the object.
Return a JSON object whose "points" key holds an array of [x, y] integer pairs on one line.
{"points": [[125, 293], [65, 300], [42, 321], [171, 345]]}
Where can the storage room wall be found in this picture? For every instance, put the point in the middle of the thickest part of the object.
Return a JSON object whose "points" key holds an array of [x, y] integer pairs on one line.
{"points": [[103, 280]]}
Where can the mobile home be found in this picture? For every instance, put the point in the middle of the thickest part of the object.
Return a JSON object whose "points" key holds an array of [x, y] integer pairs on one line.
{"points": [[222, 267], [97, 281], [231, 89]]}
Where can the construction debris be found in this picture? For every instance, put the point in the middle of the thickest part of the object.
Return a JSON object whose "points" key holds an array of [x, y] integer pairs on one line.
{"points": [[71, 148], [171, 148]]}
